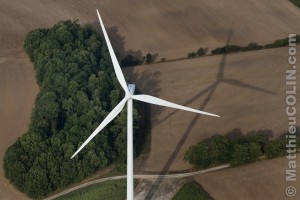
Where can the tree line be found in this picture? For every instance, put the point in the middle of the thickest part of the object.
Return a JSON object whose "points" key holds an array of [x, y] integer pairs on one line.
{"points": [[236, 148], [253, 46], [130, 60], [78, 88]]}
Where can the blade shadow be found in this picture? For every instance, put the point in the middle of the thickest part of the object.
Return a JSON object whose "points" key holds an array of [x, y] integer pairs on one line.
{"points": [[219, 78], [211, 89], [179, 145], [200, 94], [247, 86]]}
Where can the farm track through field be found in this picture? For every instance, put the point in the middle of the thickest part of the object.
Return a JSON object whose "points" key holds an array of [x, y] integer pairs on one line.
{"points": [[139, 176]]}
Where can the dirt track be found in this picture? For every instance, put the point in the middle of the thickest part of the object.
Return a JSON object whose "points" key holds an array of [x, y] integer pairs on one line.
{"points": [[262, 180], [140, 176]]}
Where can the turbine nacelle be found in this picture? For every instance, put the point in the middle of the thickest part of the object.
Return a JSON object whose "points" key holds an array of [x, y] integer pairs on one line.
{"points": [[130, 92], [131, 88]]}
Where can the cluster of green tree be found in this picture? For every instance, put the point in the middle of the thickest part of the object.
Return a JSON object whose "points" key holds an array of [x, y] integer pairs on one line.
{"points": [[282, 42], [253, 46], [296, 3], [192, 191], [235, 48], [78, 88], [201, 52], [237, 150], [149, 58], [130, 60]]}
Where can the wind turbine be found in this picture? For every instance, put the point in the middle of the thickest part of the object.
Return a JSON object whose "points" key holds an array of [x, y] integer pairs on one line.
{"points": [[129, 96]]}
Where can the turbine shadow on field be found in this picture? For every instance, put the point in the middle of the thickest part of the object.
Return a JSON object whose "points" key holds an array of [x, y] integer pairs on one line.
{"points": [[117, 41], [220, 79], [209, 91], [147, 82]]}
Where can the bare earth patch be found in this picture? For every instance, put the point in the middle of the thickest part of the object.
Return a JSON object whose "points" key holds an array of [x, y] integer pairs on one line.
{"points": [[166, 190]]}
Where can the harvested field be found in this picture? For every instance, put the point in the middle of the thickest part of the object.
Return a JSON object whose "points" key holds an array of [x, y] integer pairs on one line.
{"points": [[18, 90], [246, 89], [262, 180], [169, 28]]}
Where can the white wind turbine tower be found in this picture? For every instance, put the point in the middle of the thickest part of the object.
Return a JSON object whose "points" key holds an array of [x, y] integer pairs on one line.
{"points": [[129, 96]]}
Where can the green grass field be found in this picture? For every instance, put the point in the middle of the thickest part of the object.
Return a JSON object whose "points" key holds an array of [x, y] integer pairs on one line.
{"points": [[192, 191], [296, 2], [109, 190]]}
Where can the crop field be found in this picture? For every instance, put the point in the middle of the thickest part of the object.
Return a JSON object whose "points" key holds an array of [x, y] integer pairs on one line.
{"points": [[109, 190], [169, 28], [246, 89], [261, 180], [18, 90], [192, 191]]}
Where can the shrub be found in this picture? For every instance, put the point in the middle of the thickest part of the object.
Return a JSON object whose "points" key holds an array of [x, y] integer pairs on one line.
{"points": [[253, 46], [278, 43], [192, 155], [201, 52], [192, 55], [275, 148], [130, 60], [254, 152], [240, 155], [220, 149], [260, 137], [226, 49], [149, 58]]}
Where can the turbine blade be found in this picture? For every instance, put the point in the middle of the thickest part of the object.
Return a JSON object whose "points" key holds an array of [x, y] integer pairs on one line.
{"points": [[108, 119], [115, 62], [161, 102]]}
